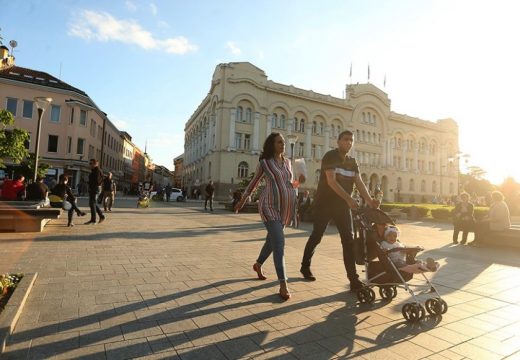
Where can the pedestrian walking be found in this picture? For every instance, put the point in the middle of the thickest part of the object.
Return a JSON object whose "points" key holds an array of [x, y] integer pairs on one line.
{"points": [[277, 205], [109, 192], [333, 201], [95, 179], [210, 192]]}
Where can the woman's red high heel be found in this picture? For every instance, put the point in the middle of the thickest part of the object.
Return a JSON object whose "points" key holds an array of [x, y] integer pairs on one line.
{"points": [[258, 268]]}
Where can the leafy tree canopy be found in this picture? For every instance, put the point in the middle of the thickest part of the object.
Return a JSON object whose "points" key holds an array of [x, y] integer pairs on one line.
{"points": [[12, 141]]}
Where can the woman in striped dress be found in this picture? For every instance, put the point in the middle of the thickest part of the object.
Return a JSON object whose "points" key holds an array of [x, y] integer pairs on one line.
{"points": [[277, 205]]}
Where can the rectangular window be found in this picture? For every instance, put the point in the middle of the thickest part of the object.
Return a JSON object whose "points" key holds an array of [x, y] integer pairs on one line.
{"points": [[28, 109], [247, 141], [72, 115], [80, 145], [69, 144], [55, 113], [12, 104], [90, 151], [301, 149], [83, 117], [92, 128], [238, 140], [52, 145]]}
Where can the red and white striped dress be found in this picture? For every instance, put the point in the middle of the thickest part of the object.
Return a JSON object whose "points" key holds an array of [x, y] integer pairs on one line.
{"points": [[278, 199]]}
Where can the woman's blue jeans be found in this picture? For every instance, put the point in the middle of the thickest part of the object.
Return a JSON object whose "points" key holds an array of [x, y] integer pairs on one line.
{"points": [[274, 243]]}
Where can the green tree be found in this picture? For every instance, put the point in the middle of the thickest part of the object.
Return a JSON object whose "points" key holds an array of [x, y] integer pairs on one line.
{"points": [[12, 141], [474, 182]]}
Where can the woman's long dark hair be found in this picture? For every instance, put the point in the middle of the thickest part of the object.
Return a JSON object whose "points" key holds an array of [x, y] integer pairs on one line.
{"points": [[268, 151]]}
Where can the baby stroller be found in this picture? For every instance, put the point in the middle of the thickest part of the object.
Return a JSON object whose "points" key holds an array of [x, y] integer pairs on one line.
{"points": [[381, 271], [144, 200]]}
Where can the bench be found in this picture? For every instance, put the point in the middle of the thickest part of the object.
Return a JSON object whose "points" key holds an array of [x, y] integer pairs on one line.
{"points": [[507, 238], [26, 219]]}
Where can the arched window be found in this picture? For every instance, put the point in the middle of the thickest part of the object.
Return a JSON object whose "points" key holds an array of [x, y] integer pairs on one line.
{"points": [[363, 136], [302, 125], [338, 130], [243, 170], [239, 113], [321, 129], [363, 116], [374, 119], [249, 115], [295, 124], [423, 186], [314, 127], [274, 121], [358, 137], [282, 122], [399, 183], [412, 185]]}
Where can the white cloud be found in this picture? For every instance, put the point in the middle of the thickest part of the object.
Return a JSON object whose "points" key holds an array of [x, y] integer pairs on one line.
{"points": [[101, 26], [130, 5], [153, 8], [235, 50], [119, 123], [163, 24]]}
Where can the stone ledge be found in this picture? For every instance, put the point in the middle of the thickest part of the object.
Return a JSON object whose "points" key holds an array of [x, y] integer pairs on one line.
{"points": [[13, 309]]}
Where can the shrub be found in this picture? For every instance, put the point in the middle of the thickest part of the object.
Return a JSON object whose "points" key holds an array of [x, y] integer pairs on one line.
{"points": [[441, 213], [418, 212], [480, 212]]}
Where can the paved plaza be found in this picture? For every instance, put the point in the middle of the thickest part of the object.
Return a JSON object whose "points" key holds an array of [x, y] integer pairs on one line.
{"points": [[175, 282]]}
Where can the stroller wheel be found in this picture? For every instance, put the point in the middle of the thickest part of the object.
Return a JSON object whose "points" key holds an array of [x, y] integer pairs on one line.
{"points": [[366, 295], [433, 306], [444, 305], [387, 292], [412, 312]]}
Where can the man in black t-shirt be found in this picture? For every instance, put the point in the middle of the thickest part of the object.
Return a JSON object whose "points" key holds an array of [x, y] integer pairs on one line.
{"points": [[333, 201]]}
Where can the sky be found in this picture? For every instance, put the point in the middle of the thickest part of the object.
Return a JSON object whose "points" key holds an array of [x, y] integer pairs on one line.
{"points": [[148, 64]]}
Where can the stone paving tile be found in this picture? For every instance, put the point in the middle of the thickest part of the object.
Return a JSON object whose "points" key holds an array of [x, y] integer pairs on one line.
{"points": [[127, 349], [210, 352], [94, 352], [139, 289]]}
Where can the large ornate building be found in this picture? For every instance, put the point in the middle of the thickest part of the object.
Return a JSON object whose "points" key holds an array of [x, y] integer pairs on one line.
{"points": [[409, 159]]}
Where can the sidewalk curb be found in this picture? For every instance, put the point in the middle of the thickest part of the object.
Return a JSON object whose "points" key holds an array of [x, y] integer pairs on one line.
{"points": [[14, 308]]}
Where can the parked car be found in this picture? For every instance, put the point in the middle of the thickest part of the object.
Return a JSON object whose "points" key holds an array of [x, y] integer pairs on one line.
{"points": [[177, 195]]}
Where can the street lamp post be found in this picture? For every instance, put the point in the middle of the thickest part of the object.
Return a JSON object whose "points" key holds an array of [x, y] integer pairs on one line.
{"points": [[41, 104], [292, 140]]}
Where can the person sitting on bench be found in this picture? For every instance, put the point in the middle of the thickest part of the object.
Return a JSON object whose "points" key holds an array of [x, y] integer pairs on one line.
{"points": [[498, 219]]}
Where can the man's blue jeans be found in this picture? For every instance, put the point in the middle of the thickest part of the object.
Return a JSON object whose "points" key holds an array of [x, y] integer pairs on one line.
{"points": [[274, 243]]}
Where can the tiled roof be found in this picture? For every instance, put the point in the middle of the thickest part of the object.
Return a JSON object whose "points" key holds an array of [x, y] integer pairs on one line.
{"points": [[22, 74]]}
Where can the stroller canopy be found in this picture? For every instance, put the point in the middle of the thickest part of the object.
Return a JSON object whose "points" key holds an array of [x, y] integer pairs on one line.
{"points": [[375, 216]]}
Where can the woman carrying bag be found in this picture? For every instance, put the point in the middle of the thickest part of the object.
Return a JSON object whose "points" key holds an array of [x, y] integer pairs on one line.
{"points": [[62, 197]]}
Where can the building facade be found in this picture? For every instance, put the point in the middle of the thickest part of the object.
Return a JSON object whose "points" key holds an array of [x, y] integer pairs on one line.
{"points": [[409, 159], [73, 128]]}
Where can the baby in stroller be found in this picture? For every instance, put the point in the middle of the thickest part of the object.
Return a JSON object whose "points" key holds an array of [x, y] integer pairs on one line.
{"points": [[390, 244], [389, 265]]}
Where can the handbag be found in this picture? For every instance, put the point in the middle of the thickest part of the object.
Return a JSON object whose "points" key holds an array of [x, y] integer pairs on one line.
{"points": [[58, 202]]}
